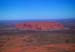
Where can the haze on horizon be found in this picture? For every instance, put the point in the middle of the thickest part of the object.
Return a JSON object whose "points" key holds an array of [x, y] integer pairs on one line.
{"points": [[36, 9]]}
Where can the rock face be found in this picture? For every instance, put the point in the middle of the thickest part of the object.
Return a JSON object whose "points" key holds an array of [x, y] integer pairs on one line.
{"points": [[43, 26]]}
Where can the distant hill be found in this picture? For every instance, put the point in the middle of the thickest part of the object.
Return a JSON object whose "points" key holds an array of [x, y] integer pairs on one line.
{"points": [[70, 23], [45, 26]]}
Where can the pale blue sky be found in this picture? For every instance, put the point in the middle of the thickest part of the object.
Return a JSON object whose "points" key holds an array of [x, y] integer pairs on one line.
{"points": [[36, 9]]}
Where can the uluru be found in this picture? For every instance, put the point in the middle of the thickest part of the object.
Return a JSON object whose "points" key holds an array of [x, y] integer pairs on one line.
{"points": [[42, 26]]}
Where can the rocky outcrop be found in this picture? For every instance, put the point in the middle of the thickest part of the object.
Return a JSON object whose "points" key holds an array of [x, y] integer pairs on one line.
{"points": [[40, 26]]}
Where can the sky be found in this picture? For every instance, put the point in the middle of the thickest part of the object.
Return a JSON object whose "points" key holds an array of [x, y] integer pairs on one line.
{"points": [[36, 9]]}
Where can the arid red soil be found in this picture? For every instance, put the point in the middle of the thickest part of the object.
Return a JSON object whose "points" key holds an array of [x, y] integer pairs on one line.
{"points": [[37, 42], [46, 48], [28, 40]]}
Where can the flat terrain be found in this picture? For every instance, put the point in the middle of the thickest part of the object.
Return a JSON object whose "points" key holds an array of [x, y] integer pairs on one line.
{"points": [[15, 40], [31, 41]]}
